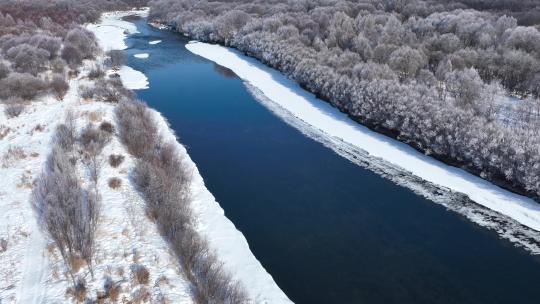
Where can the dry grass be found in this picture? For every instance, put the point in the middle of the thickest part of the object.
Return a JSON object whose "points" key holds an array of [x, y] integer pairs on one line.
{"points": [[78, 291], [26, 180], [141, 295], [115, 183], [13, 154], [107, 127], [140, 274], [76, 263], [4, 131], [95, 116], [112, 289], [3, 245]]}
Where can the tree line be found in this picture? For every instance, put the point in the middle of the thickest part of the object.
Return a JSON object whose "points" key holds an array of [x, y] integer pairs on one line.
{"points": [[432, 76]]}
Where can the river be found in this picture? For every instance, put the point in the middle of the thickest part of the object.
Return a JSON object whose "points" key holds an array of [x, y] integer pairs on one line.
{"points": [[327, 230]]}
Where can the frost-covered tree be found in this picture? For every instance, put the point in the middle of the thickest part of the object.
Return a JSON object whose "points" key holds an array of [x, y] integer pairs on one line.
{"points": [[428, 73]]}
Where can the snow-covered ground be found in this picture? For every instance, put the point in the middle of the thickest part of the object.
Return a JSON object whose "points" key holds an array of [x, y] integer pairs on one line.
{"points": [[332, 125], [31, 270], [131, 78], [24, 146], [229, 243]]}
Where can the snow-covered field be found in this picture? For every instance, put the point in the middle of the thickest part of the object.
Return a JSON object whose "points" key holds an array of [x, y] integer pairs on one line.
{"points": [[519, 212], [229, 243], [31, 270]]}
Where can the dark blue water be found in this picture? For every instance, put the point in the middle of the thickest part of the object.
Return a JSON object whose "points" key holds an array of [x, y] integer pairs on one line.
{"points": [[327, 230]]}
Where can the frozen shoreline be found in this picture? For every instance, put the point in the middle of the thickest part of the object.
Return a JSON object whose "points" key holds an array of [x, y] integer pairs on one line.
{"points": [[111, 33], [229, 243], [335, 125]]}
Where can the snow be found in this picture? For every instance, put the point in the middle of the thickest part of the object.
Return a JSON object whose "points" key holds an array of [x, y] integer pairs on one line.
{"points": [[31, 270], [154, 42], [141, 55], [334, 124], [24, 265], [131, 78], [229, 243]]}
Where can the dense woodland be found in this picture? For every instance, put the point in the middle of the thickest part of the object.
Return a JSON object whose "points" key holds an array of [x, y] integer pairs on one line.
{"points": [[435, 75]]}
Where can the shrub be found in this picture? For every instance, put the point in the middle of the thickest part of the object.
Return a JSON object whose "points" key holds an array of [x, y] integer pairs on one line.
{"points": [[21, 85], [28, 59], [78, 290], [72, 55], [87, 92], [66, 211], [96, 72], [140, 274], [136, 127], [117, 58], [93, 139], [64, 135], [4, 70], [58, 65], [112, 289], [14, 110], [82, 40], [115, 160], [59, 86], [107, 127], [3, 245], [115, 182]]}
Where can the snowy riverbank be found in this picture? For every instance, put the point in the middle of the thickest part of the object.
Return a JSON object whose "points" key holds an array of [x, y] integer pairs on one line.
{"points": [[111, 33], [337, 127], [229, 243]]}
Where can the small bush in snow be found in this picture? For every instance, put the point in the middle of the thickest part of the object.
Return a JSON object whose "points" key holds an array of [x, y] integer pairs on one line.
{"points": [[117, 58], [106, 127], [3, 245], [115, 160], [95, 73], [59, 86], [78, 290], [140, 274], [21, 85], [136, 127], [87, 92], [14, 109], [112, 289], [94, 139], [4, 70], [115, 182], [66, 211]]}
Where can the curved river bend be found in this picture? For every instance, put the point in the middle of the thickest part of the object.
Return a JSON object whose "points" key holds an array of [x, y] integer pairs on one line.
{"points": [[327, 230]]}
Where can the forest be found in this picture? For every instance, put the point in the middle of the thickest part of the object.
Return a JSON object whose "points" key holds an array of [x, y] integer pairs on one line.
{"points": [[456, 83]]}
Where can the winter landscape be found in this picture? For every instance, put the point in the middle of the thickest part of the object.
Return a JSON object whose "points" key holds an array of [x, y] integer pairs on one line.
{"points": [[329, 151]]}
